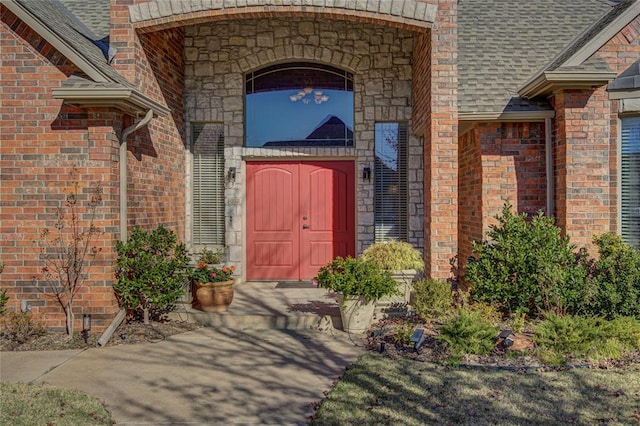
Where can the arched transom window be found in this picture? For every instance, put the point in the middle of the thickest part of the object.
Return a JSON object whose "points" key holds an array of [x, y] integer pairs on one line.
{"points": [[299, 104]]}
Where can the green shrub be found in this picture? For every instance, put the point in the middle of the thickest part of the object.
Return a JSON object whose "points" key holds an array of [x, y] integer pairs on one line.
{"points": [[560, 339], [3, 299], [616, 278], [20, 327], [403, 333], [489, 312], [151, 272], [354, 277], [526, 264], [468, 333], [210, 257], [394, 256], [432, 298]]}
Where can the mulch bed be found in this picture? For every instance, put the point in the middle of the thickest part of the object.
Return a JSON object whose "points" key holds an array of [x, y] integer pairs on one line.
{"points": [[127, 333], [382, 339]]}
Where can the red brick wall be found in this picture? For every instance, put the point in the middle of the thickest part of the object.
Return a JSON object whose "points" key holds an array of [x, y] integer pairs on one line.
{"points": [[499, 161], [469, 193], [581, 157], [41, 142], [153, 62], [620, 53], [586, 148], [157, 164], [439, 119]]}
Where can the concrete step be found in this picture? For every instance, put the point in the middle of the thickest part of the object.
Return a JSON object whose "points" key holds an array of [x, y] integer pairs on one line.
{"points": [[267, 305]]}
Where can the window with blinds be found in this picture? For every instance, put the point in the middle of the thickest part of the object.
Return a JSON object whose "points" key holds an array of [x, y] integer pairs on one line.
{"points": [[390, 182], [630, 182], [207, 146]]}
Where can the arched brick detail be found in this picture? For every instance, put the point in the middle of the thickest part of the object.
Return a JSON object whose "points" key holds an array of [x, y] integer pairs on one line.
{"points": [[412, 15]]}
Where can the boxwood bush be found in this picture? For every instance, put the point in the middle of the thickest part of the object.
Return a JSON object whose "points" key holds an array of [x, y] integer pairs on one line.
{"points": [[615, 278], [526, 265], [151, 272]]}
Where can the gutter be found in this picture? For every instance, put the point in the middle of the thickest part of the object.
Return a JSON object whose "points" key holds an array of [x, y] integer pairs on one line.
{"points": [[125, 98], [548, 81], [123, 171], [506, 115]]}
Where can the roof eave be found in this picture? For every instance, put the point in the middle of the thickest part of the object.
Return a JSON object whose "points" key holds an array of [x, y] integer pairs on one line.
{"points": [[129, 100], [60, 44], [518, 116], [550, 81], [624, 94], [467, 119], [592, 46]]}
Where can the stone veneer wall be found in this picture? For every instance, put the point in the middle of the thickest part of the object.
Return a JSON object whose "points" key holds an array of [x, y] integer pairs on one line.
{"points": [[217, 56]]}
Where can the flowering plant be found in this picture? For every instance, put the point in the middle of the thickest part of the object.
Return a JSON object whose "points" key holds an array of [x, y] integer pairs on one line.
{"points": [[203, 273]]}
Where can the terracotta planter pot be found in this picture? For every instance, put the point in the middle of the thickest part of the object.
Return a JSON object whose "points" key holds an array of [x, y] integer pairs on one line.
{"points": [[214, 296]]}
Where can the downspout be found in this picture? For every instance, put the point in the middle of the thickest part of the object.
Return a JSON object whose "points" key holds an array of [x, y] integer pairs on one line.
{"points": [[548, 151], [123, 171], [123, 211]]}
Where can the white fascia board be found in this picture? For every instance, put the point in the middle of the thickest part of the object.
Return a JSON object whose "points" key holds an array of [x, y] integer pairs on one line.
{"points": [[57, 42]]}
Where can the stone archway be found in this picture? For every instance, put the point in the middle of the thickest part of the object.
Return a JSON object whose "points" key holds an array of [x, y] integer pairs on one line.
{"points": [[412, 15]]}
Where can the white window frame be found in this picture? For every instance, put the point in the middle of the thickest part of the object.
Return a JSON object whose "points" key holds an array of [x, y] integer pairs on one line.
{"points": [[201, 219], [621, 173], [382, 207]]}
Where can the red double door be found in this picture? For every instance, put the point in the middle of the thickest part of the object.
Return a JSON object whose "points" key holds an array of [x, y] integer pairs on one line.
{"points": [[300, 215]]}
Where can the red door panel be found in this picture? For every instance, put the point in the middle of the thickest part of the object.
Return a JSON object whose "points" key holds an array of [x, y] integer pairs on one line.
{"points": [[272, 210], [327, 199], [300, 215]]}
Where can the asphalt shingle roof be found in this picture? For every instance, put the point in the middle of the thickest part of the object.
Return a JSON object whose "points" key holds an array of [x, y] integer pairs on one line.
{"points": [[73, 33], [588, 35], [502, 43], [94, 14]]}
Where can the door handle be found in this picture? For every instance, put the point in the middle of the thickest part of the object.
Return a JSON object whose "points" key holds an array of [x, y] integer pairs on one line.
{"points": [[305, 226]]}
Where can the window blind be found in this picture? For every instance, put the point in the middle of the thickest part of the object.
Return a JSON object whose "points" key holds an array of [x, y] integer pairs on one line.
{"points": [[207, 144], [630, 181], [390, 182]]}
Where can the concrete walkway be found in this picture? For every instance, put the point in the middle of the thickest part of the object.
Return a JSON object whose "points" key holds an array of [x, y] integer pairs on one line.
{"points": [[206, 376]]}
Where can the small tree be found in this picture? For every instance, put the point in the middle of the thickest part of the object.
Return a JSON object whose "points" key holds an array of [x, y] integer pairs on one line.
{"points": [[68, 249]]}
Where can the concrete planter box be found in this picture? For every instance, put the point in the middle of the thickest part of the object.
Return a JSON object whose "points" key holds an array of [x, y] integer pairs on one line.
{"points": [[397, 305], [356, 314]]}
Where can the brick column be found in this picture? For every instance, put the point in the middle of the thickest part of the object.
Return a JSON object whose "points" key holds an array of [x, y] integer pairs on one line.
{"points": [[436, 119], [582, 164], [123, 37]]}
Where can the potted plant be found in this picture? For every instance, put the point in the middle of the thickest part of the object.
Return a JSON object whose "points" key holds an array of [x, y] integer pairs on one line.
{"points": [[358, 285], [401, 259], [214, 287]]}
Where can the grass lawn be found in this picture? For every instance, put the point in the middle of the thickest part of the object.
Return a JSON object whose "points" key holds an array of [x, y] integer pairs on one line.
{"points": [[35, 404], [378, 390]]}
